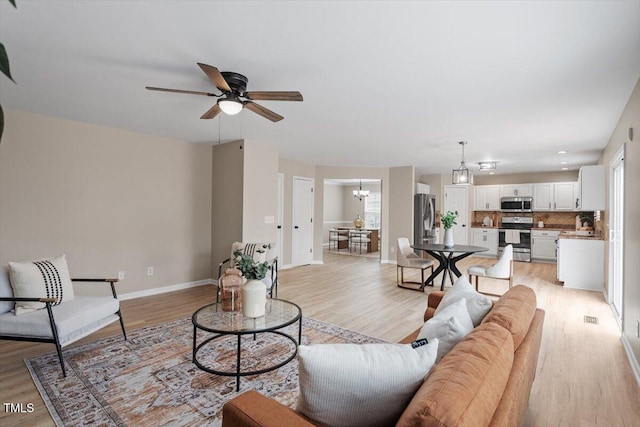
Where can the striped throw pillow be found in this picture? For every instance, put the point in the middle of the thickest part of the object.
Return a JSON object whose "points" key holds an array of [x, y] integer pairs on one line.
{"points": [[44, 278]]}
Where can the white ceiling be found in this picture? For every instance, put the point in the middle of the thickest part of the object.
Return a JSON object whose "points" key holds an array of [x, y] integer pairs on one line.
{"points": [[384, 83]]}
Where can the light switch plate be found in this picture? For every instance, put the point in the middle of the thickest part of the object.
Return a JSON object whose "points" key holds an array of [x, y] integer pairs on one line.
{"points": [[269, 219]]}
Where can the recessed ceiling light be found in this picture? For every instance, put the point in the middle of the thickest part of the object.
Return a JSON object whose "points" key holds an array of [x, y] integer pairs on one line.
{"points": [[564, 162], [565, 169], [562, 152]]}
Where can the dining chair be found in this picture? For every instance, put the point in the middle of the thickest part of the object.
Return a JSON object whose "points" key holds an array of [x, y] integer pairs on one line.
{"points": [[359, 238], [336, 236], [407, 258], [502, 270]]}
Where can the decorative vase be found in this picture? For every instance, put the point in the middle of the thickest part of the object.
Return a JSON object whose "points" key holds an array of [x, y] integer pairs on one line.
{"points": [[254, 298], [358, 222], [231, 290], [448, 238]]}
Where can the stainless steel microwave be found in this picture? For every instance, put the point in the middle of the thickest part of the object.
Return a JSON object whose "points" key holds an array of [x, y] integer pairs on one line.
{"points": [[516, 204]]}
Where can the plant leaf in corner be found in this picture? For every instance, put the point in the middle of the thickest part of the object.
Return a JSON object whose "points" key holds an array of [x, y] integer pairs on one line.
{"points": [[13, 2], [4, 63], [1, 122]]}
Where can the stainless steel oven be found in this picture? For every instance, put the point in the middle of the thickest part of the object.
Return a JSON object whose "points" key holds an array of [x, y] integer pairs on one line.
{"points": [[516, 231], [516, 204]]}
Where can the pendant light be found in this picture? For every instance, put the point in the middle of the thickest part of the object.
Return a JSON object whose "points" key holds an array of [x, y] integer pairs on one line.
{"points": [[462, 175], [359, 194]]}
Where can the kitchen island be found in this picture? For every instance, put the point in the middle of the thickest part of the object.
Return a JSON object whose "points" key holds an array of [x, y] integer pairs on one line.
{"points": [[581, 260]]}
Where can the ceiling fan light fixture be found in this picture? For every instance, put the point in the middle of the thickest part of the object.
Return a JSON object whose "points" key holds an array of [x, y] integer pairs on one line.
{"points": [[230, 106], [462, 175]]}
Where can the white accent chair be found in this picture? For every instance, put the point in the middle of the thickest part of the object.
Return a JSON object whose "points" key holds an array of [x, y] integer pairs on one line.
{"points": [[503, 270], [61, 324], [407, 258], [261, 252]]}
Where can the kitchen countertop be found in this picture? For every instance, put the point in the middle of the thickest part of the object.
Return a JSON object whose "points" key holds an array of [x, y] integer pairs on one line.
{"points": [[574, 236]]}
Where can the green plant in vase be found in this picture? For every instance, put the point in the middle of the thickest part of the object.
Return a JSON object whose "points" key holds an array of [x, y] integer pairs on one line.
{"points": [[250, 268], [449, 219]]}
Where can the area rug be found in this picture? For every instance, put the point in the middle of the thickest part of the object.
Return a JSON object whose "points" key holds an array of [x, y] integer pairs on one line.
{"points": [[150, 379]]}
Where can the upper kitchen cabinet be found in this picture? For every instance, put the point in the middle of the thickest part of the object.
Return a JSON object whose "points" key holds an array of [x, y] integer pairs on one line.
{"points": [[487, 198], [516, 190], [590, 189], [554, 196]]}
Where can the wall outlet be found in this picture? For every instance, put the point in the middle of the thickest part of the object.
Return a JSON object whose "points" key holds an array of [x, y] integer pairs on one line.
{"points": [[120, 275], [149, 271], [392, 249]]}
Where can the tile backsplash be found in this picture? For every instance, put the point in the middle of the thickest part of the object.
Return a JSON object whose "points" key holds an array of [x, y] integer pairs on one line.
{"points": [[551, 219]]}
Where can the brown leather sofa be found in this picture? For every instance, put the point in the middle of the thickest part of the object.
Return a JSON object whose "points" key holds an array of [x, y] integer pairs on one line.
{"points": [[485, 380]]}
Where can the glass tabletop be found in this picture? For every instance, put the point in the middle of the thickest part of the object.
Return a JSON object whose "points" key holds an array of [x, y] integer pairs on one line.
{"points": [[279, 313]]}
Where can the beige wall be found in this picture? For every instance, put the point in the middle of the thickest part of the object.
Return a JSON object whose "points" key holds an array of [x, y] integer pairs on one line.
{"points": [[227, 200], [289, 169], [401, 190], [631, 291], [333, 209], [353, 206], [110, 200], [260, 191]]}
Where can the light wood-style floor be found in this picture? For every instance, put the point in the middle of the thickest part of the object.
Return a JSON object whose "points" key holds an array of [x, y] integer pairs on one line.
{"points": [[583, 378]]}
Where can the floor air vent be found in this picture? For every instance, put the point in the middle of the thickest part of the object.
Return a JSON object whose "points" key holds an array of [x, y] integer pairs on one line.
{"points": [[591, 319]]}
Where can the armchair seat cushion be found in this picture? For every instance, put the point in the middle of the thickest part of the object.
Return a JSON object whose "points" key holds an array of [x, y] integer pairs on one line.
{"points": [[74, 319], [477, 270], [416, 263]]}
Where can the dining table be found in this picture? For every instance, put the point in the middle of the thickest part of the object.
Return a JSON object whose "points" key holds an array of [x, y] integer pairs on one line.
{"points": [[447, 257]]}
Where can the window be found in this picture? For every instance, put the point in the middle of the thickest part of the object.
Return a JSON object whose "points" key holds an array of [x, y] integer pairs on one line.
{"points": [[372, 208]]}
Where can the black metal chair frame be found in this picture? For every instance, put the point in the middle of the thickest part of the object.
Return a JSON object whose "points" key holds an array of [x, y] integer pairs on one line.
{"points": [[54, 329]]}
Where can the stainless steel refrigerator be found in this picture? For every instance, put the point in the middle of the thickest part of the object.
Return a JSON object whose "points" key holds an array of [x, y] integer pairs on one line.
{"points": [[424, 218]]}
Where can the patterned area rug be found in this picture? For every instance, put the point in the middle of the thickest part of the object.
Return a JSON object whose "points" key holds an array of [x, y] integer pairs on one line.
{"points": [[151, 380]]}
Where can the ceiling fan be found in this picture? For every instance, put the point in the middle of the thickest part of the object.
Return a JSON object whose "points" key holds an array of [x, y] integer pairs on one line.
{"points": [[234, 96]]}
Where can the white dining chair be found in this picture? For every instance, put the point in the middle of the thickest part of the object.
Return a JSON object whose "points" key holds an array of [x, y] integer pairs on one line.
{"points": [[407, 258], [503, 270]]}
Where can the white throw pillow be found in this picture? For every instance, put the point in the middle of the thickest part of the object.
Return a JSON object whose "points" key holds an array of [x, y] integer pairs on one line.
{"points": [[449, 326], [477, 304], [45, 278], [361, 384]]}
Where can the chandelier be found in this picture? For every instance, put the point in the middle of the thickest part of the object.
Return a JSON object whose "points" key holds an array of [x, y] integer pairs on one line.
{"points": [[359, 194], [462, 175]]}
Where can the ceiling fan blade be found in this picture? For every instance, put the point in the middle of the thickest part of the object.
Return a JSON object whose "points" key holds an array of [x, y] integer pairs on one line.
{"points": [[191, 92], [212, 112], [274, 96], [264, 112], [215, 76]]}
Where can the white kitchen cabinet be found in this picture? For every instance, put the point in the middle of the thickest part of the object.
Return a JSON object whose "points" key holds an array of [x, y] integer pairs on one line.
{"points": [[487, 238], [486, 198], [590, 194], [554, 196], [563, 196], [543, 245], [516, 190], [581, 263], [543, 197]]}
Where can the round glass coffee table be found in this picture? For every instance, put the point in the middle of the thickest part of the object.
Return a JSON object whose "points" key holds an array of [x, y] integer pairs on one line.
{"points": [[211, 318]]}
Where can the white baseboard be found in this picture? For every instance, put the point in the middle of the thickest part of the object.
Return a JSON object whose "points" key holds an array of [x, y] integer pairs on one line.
{"points": [[285, 266], [164, 289], [317, 262], [389, 261], [635, 366]]}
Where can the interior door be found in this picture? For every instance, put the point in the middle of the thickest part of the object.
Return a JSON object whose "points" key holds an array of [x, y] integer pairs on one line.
{"points": [[616, 235], [280, 218], [302, 226], [456, 199]]}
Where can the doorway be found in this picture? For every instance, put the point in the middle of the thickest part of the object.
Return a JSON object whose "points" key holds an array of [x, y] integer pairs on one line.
{"points": [[302, 230], [456, 198], [280, 218], [616, 234], [344, 201]]}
